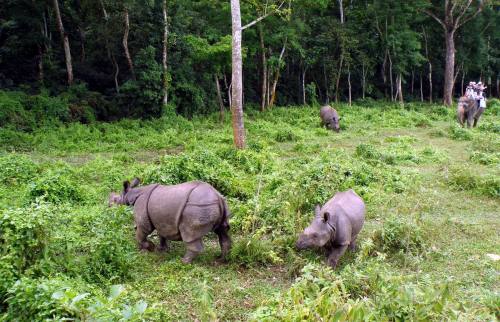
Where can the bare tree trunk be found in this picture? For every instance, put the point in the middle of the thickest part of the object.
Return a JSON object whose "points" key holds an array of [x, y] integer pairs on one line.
{"points": [[228, 88], [125, 43], [421, 88], [400, 88], [412, 81], [164, 56], [339, 73], [363, 83], [462, 85], [390, 78], [430, 82], [449, 70], [219, 98], [40, 64], [237, 77], [498, 87], [276, 76], [65, 39], [304, 86], [384, 76], [341, 9], [111, 56], [349, 83], [327, 91], [263, 100]]}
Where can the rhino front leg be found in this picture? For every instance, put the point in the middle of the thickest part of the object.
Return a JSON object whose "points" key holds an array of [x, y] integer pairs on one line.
{"points": [[335, 253], [193, 248], [142, 239], [352, 245]]}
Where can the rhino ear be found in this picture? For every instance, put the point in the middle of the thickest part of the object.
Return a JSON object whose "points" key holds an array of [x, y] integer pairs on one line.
{"points": [[317, 210], [326, 216], [135, 183], [126, 186]]}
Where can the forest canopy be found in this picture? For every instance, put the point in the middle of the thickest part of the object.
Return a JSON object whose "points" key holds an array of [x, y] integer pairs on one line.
{"points": [[126, 60]]}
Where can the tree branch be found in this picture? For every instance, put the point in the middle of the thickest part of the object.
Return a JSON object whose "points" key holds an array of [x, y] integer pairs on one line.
{"points": [[263, 17], [465, 20], [429, 13]]}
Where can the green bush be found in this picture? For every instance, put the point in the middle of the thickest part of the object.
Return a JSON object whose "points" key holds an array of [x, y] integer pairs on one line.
{"points": [[12, 111], [368, 292], [251, 251], [458, 133], [485, 158], [55, 186], [24, 239], [461, 178], [16, 169], [399, 235]]}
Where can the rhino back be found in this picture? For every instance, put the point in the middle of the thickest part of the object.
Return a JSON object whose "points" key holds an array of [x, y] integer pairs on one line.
{"points": [[350, 208], [165, 208]]}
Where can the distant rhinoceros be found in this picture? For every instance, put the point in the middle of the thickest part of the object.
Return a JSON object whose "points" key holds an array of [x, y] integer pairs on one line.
{"points": [[187, 212], [329, 118], [335, 226]]}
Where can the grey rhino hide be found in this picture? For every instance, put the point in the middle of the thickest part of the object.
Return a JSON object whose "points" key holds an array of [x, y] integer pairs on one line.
{"points": [[186, 212], [468, 110], [329, 118], [335, 226]]}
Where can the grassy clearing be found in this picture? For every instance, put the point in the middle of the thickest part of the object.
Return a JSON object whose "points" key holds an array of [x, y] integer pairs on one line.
{"points": [[432, 190]]}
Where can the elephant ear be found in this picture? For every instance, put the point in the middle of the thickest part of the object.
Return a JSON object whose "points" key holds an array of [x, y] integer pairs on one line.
{"points": [[135, 183]]}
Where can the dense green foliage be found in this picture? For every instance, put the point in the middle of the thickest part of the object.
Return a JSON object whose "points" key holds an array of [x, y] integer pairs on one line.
{"points": [[378, 42], [64, 253]]}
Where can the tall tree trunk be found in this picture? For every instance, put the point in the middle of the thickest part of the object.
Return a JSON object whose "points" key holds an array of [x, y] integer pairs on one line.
{"points": [[421, 88], [304, 86], [498, 87], [429, 76], [219, 98], [263, 99], [125, 43], [111, 56], [65, 39], [164, 56], [462, 85], [341, 9], [327, 91], [390, 77], [276, 76], [40, 64], [349, 83], [400, 88], [363, 80], [237, 77], [412, 81], [339, 73], [383, 71], [228, 88], [449, 69]]}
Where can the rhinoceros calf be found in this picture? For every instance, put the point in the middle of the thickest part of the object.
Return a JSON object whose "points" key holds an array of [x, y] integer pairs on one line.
{"points": [[186, 212], [329, 118], [335, 226], [468, 110]]}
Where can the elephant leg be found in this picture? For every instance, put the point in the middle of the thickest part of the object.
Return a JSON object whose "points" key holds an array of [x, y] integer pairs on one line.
{"points": [[192, 249], [163, 245], [224, 242], [141, 236], [470, 120], [335, 254]]}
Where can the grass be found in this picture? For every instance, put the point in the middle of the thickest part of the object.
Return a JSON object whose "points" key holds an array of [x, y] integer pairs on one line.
{"points": [[431, 189]]}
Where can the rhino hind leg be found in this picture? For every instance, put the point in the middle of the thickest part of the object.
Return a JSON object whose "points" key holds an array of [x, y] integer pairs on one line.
{"points": [[193, 248], [224, 242], [353, 244], [335, 253], [163, 245]]}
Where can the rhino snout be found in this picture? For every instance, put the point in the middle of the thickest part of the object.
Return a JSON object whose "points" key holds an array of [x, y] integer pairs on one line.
{"points": [[302, 243]]}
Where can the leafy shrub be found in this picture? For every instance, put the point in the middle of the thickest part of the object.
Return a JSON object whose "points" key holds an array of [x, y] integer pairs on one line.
{"points": [[24, 236], [55, 186], [461, 178], [31, 300], [485, 158], [366, 292], [458, 133], [16, 168], [48, 108], [253, 250], [399, 235], [12, 111]]}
